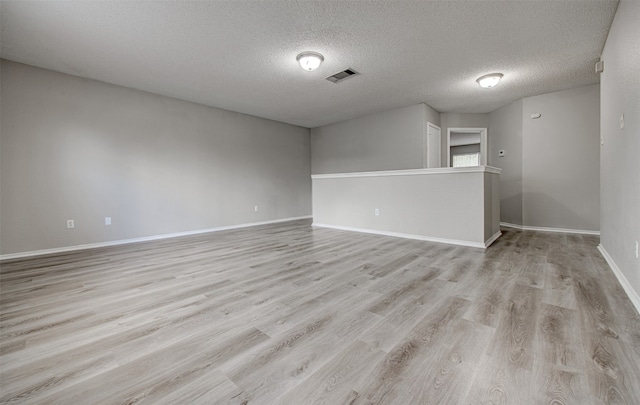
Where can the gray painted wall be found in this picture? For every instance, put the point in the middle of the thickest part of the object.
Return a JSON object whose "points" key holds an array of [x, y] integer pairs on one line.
{"points": [[506, 133], [460, 120], [560, 162], [491, 205], [390, 140], [620, 162], [550, 171], [78, 149], [432, 115]]}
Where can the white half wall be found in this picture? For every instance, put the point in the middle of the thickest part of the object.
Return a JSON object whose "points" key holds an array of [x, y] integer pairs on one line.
{"points": [[459, 206]]}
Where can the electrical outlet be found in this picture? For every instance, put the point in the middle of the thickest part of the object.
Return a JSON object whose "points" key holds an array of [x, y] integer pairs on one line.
{"points": [[376, 212], [107, 220], [70, 224], [255, 208]]}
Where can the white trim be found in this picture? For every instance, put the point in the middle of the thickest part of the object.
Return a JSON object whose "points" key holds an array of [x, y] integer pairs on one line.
{"points": [[426, 146], [143, 239], [411, 172], [633, 294], [492, 239], [510, 225], [545, 229], [404, 235]]}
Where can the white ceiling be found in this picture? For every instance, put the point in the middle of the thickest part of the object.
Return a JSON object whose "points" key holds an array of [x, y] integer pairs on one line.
{"points": [[240, 55]]}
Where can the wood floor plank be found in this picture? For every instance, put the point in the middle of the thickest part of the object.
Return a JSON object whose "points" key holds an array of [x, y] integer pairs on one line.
{"points": [[498, 382], [291, 314], [395, 325], [560, 367], [564, 387], [532, 271], [559, 287], [557, 341], [514, 339], [444, 376], [333, 383], [489, 297], [208, 388], [385, 382]]}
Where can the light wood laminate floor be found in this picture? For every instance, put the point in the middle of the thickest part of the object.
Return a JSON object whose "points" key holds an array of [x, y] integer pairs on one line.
{"points": [[289, 314]]}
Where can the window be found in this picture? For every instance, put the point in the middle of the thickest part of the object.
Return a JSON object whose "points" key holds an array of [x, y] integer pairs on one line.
{"points": [[466, 160]]}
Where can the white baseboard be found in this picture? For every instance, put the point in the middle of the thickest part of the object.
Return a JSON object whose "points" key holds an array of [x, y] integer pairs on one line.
{"points": [[492, 239], [633, 295], [410, 236], [143, 239], [545, 229]]}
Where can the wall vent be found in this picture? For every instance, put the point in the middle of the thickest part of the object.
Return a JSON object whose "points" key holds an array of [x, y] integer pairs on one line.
{"points": [[340, 76]]}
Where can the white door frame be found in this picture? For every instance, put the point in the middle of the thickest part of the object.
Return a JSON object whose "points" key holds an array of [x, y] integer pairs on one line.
{"points": [[425, 145], [483, 142]]}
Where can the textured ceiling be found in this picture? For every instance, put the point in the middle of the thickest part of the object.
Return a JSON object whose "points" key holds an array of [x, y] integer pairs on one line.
{"points": [[240, 55]]}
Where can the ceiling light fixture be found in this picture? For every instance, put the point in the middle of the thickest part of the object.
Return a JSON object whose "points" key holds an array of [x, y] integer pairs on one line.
{"points": [[309, 60], [489, 80]]}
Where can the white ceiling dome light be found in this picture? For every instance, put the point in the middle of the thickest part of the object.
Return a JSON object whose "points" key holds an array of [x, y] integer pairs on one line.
{"points": [[489, 80], [309, 60]]}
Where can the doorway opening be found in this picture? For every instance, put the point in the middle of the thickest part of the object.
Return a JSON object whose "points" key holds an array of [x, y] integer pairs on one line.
{"points": [[466, 147]]}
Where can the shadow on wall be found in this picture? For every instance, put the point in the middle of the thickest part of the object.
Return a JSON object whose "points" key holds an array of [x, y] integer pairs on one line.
{"points": [[511, 209], [541, 210]]}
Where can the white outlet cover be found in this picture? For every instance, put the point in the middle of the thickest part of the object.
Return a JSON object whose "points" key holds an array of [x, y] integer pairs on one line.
{"points": [[376, 211], [70, 224], [107, 220]]}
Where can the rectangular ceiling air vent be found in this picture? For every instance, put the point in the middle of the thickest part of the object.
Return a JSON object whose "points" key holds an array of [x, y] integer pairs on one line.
{"points": [[340, 76]]}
